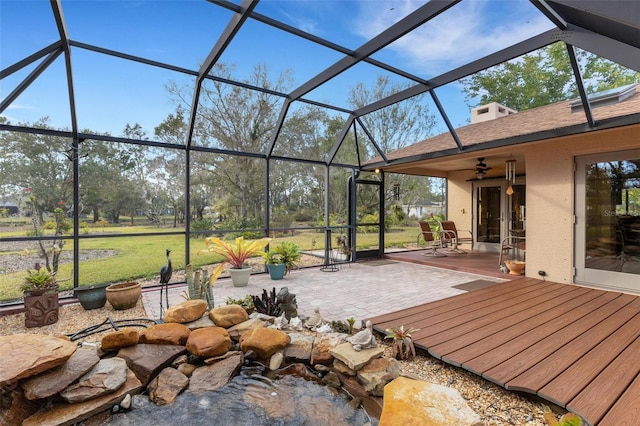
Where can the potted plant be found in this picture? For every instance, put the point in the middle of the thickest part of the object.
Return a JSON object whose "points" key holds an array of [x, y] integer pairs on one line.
{"points": [[282, 259], [236, 254], [40, 290]]}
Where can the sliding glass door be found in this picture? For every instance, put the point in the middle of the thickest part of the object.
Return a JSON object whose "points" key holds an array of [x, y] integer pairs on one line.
{"points": [[608, 220]]}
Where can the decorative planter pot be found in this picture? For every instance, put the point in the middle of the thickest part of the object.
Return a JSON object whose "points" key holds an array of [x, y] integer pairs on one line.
{"points": [[124, 295], [92, 296], [516, 267], [240, 277], [276, 272], [41, 307]]}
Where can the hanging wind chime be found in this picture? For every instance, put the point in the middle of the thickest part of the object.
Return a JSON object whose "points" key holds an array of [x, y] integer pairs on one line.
{"points": [[510, 175]]}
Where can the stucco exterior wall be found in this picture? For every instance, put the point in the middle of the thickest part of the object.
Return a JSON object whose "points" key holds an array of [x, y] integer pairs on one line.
{"points": [[550, 196], [459, 202]]}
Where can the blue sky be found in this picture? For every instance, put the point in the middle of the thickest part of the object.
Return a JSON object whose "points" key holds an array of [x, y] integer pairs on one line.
{"points": [[111, 92]]}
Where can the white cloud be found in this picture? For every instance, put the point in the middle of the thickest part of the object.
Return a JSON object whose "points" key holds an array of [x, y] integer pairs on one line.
{"points": [[467, 31]]}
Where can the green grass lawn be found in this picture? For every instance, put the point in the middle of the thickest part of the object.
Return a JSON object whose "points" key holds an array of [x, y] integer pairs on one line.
{"points": [[138, 258]]}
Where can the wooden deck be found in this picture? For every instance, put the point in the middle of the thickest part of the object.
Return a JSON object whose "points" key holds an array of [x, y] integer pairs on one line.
{"points": [[573, 346]]}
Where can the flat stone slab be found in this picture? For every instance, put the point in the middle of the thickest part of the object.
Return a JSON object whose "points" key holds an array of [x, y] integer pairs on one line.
{"points": [[147, 360], [68, 414], [212, 377], [53, 381], [105, 377], [355, 360], [25, 355]]}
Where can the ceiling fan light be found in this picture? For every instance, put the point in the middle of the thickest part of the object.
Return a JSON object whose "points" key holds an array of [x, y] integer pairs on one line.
{"points": [[479, 175]]}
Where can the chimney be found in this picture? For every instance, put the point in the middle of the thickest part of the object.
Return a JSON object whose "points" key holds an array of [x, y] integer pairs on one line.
{"points": [[490, 112]]}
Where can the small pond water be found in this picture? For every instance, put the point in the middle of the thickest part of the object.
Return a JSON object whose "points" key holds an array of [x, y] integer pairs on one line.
{"points": [[251, 399]]}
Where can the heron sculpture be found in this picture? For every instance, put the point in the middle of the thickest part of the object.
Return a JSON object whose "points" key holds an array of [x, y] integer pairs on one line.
{"points": [[165, 275]]}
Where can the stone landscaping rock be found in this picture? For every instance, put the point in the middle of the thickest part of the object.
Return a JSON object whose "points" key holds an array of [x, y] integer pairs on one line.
{"points": [[355, 360], [146, 361], [53, 381], [377, 374], [15, 407], [105, 377], [299, 350], [171, 333], [409, 401], [202, 322], [228, 315], [341, 367], [212, 377], [164, 389], [276, 360], [25, 355], [237, 330], [68, 414], [120, 339], [264, 341], [187, 311], [208, 342], [322, 344], [186, 369]]}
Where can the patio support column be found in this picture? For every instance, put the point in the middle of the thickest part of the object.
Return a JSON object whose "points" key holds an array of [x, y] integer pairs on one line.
{"points": [[327, 221]]}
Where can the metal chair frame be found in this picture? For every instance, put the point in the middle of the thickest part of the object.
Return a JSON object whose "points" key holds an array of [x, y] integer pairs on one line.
{"points": [[451, 236], [434, 238]]}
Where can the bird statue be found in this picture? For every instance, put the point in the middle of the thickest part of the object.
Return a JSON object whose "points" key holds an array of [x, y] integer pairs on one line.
{"points": [[165, 275]]}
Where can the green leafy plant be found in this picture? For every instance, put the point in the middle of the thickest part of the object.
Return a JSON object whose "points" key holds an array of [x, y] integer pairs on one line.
{"points": [[340, 327], [38, 278], [402, 345], [351, 321], [286, 252], [568, 419], [246, 302]]}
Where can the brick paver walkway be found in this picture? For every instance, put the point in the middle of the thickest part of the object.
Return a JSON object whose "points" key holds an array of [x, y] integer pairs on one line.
{"points": [[360, 290]]}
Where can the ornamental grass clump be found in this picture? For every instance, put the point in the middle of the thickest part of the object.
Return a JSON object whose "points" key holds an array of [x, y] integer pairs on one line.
{"points": [[402, 345]]}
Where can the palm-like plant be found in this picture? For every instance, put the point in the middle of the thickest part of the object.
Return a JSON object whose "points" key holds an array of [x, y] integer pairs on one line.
{"points": [[402, 345], [234, 254]]}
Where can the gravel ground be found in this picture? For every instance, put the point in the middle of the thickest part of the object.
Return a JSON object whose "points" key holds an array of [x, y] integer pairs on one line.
{"points": [[495, 405]]}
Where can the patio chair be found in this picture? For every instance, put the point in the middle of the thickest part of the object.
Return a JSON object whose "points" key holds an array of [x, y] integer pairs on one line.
{"points": [[451, 236], [432, 239]]}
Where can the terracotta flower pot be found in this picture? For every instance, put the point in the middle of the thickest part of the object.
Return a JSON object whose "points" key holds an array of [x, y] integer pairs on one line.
{"points": [[516, 267], [124, 295]]}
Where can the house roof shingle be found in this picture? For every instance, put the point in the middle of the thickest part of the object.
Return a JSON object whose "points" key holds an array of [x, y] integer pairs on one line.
{"points": [[528, 122]]}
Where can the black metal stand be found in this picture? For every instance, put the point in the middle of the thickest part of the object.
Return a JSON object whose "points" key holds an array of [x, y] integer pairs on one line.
{"points": [[329, 262]]}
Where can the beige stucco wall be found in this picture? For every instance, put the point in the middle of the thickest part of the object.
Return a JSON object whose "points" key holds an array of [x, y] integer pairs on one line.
{"points": [[550, 196]]}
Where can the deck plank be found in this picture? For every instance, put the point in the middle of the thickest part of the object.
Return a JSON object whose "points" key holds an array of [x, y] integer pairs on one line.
{"points": [[625, 412], [603, 392], [481, 311], [533, 335], [563, 357], [528, 358], [574, 346], [473, 331], [571, 381], [472, 298], [503, 337]]}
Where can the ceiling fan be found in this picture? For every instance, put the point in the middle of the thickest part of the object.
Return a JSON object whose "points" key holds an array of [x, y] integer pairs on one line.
{"points": [[481, 168]]}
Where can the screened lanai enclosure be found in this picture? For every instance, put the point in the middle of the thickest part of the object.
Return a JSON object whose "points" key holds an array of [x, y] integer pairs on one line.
{"points": [[127, 128]]}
